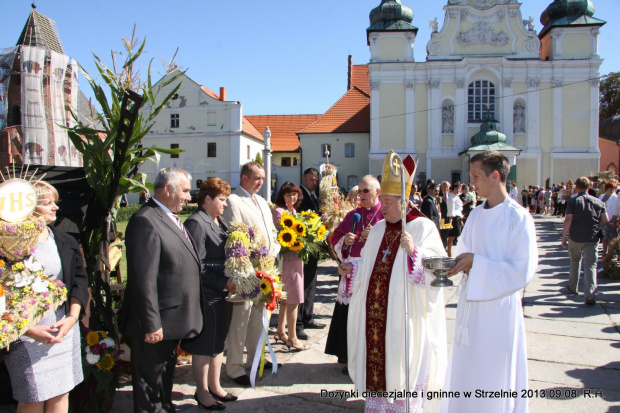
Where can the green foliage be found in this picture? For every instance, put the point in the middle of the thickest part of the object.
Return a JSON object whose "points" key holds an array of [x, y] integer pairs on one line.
{"points": [[112, 158], [610, 96], [124, 213], [258, 159]]}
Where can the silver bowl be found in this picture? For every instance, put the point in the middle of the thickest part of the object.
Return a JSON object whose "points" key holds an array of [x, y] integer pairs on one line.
{"points": [[439, 266]]}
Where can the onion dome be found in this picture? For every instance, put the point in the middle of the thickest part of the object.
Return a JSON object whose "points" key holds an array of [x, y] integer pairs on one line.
{"points": [[391, 15], [610, 128], [568, 13], [488, 135]]}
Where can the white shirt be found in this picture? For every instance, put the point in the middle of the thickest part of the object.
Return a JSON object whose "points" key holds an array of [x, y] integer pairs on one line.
{"points": [[169, 213], [455, 205]]}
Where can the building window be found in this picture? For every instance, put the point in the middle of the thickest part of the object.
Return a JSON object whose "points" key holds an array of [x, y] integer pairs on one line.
{"points": [[210, 118], [174, 146], [326, 149], [349, 150], [286, 161], [211, 150], [456, 177], [351, 181], [480, 101], [248, 152], [174, 120]]}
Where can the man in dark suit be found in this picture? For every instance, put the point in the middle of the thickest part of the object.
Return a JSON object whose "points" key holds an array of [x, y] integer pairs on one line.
{"points": [[443, 208], [162, 299], [429, 204], [309, 202]]}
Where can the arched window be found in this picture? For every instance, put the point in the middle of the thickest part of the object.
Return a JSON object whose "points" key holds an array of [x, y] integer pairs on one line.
{"points": [[480, 100]]}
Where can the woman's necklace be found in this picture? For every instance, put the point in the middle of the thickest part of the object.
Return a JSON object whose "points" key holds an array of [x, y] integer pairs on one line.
{"points": [[388, 250]]}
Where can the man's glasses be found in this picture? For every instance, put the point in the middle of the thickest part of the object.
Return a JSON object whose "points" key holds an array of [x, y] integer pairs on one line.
{"points": [[365, 190]]}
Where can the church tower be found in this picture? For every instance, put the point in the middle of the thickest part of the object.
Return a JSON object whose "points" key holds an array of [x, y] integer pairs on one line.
{"points": [[391, 36], [38, 91], [570, 31]]}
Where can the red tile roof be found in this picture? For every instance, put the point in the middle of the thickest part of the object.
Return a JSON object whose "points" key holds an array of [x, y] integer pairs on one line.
{"points": [[360, 77], [351, 114], [209, 92], [248, 128], [283, 129]]}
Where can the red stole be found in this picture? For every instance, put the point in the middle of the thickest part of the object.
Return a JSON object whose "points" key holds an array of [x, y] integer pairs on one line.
{"points": [[377, 303]]}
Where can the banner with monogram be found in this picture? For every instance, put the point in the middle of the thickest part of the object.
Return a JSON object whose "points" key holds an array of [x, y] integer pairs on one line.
{"points": [[7, 56], [58, 68], [75, 157], [34, 126]]}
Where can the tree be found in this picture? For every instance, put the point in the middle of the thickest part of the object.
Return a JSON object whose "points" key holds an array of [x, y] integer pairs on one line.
{"points": [[258, 159], [112, 157], [610, 96]]}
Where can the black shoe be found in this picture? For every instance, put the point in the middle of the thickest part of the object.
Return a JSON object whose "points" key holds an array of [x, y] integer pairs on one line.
{"points": [[215, 406], [314, 325], [570, 290], [591, 301], [242, 380], [302, 335], [228, 398]]}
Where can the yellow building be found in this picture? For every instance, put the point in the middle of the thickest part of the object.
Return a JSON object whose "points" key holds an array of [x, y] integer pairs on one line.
{"points": [[541, 90]]}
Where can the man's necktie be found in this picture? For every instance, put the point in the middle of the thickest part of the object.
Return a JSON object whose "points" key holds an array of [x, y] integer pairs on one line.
{"points": [[182, 227]]}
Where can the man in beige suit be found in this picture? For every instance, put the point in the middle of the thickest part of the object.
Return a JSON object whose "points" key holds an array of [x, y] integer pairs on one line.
{"points": [[244, 205]]}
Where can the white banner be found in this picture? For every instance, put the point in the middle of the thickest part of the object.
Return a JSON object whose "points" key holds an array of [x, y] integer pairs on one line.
{"points": [[58, 68], [34, 126], [75, 158], [6, 65]]}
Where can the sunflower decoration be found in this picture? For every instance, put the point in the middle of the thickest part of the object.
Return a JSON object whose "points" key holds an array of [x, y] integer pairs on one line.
{"points": [[320, 233], [287, 221], [286, 237], [299, 228], [92, 338], [297, 246], [106, 363], [265, 286]]}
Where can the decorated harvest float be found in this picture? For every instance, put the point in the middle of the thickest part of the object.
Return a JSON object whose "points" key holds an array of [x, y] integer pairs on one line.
{"points": [[26, 294]]}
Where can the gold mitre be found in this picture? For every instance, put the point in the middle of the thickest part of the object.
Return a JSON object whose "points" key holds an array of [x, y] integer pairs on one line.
{"points": [[390, 183]]}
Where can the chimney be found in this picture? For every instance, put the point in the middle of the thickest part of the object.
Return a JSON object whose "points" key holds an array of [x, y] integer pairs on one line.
{"points": [[350, 70], [223, 94]]}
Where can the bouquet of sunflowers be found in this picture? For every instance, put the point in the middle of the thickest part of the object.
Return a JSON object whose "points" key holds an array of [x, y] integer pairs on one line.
{"points": [[302, 233], [251, 267]]}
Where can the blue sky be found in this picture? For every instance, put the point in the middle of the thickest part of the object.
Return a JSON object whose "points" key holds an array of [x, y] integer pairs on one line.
{"points": [[274, 57]]}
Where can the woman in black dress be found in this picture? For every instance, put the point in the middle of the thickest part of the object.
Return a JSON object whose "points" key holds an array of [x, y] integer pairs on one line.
{"points": [[209, 234]]}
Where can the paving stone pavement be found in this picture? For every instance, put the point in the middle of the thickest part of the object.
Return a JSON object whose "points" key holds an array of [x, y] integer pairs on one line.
{"points": [[572, 349]]}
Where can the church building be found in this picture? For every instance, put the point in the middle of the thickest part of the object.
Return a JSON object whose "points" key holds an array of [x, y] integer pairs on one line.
{"points": [[484, 65]]}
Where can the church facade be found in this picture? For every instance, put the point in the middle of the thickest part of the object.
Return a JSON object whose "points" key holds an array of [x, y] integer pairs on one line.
{"points": [[486, 63]]}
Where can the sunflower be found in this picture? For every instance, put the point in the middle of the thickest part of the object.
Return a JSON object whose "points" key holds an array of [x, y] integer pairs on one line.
{"points": [[297, 246], [106, 363], [265, 286], [92, 338], [314, 215], [287, 221], [320, 233], [286, 237], [304, 213], [299, 228]]}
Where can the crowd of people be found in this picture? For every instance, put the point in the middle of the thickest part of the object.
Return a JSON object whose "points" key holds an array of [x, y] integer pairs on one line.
{"points": [[178, 294]]}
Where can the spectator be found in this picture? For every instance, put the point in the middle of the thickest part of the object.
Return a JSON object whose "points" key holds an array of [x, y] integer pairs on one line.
{"points": [[584, 216]]}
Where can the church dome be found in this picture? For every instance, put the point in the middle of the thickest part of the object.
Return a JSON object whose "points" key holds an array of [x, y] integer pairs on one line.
{"points": [[391, 15], [488, 135], [560, 9], [610, 128]]}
